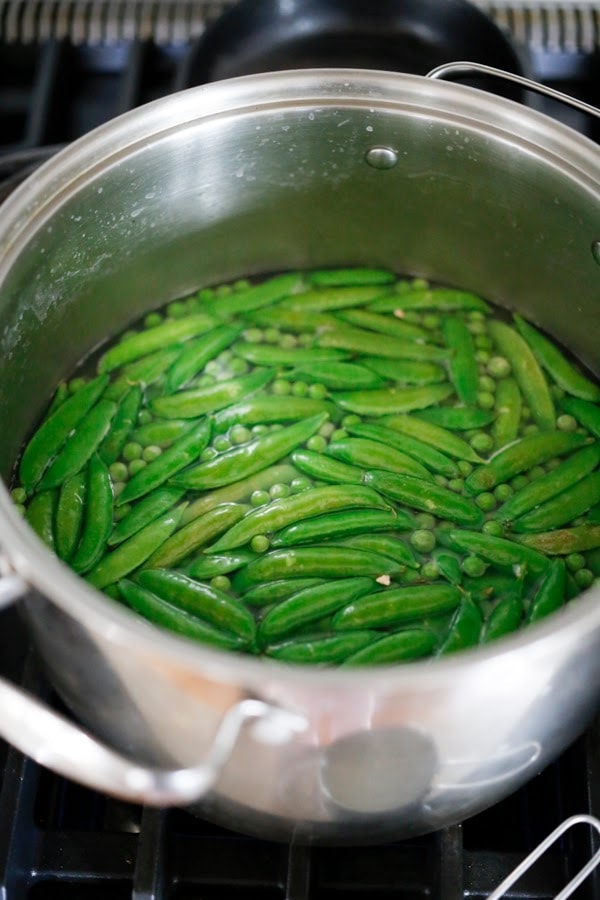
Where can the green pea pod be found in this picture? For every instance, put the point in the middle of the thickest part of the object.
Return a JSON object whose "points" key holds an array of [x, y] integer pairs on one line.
{"points": [[426, 454], [144, 512], [146, 372], [397, 606], [239, 491], [527, 373], [273, 355], [81, 445], [313, 562], [200, 401], [321, 650], [98, 517], [392, 400], [442, 299], [521, 456], [405, 371], [121, 426], [40, 515], [201, 600], [376, 455], [402, 646], [245, 460], [266, 408], [392, 325], [464, 373], [588, 414], [340, 376], [359, 340], [457, 418], [562, 371], [184, 451], [160, 433], [209, 566], [61, 394], [296, 321], [440, 438], [194, 355], [550, 594], [448, 565], [384, 545], [146, 342], [323, 468], [563, 540], [592, 561], [280, 513], [328, 298], [350, 277], [490, 587], [69, 514], [273, 591], [499, 551], [563, 508], [133, 553], [508, 413], [505, 618], [259, 295], [170, 617], [340, 524], [465, 628], [196, 534], [425, 496], [54, 431], [309, 605]]}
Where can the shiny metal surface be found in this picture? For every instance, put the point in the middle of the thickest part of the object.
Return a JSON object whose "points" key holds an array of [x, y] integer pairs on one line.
{"points": [[267, 173]]}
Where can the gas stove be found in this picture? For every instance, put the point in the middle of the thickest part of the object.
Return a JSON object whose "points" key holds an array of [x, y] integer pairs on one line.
{"points": [[66, 66]]}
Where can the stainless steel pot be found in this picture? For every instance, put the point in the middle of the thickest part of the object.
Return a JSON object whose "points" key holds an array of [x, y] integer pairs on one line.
{"points": [[270, 172]]}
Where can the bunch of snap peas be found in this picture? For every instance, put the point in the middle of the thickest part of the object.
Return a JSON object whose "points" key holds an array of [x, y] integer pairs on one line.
{"points": [[338, 467]]}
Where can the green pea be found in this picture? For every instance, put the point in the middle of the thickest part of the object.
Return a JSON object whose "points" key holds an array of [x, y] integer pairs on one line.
{"points": [[456, 484], [430, 571], [474, 567], [18, 495], [499, 367], [281, 387], [503, 492], [136, 466], [132, 451], [425, 521], [221, 582], [150, 453], [486, 501], [566, 422], [279, 491], [119, 471], [465, 468], [316, 443], [493, 527], [152, 320], [482, 442], [584, 578], [221, 443], [297, 485], [260, 543], [317, 391], [259, 498], [575, 562], [486, 400], [208, 453]]}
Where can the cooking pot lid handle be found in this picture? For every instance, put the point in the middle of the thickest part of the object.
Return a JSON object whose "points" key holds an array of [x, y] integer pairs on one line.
{"points": [[469, 68]]}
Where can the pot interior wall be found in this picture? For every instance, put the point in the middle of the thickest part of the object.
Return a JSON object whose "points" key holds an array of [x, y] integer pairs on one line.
{"points": [[290, 186]]}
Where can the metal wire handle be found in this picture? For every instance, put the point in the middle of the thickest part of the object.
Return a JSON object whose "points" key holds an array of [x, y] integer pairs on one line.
{"points": [[527, 863], [468, 68]]}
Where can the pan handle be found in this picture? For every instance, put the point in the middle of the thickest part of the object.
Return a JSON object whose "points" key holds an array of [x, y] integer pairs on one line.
{"points": [[469, 68]]}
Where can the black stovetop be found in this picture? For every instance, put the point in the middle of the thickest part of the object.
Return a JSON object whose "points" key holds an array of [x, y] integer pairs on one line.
{"points": [[59, 841]]}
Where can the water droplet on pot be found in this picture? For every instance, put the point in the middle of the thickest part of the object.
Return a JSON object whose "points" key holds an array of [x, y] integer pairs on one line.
{"points": [[381, 157]]}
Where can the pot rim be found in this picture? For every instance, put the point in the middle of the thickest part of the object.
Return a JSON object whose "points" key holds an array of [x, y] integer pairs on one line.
{"points": [[34, 202]]}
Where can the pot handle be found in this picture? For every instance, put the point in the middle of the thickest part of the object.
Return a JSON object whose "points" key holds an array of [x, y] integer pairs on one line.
{"points": [[65, 748], [468, 68]]}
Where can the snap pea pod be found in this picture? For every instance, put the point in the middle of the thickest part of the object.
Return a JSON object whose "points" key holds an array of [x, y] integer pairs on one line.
{"points": [[402, 646], [372, 321], [426, 454], [147, 510], [465, 628], [240, 490], [272, 355], [259, 295], [462, 364], [321, 650], [340, 376], [397, 606], [508, 413], [198, 402], [499, 551], [340, 524], [134, 552], [81, 445], [392, 400], [40, 515], [505, 618], [280, 513], [359, 340], [521, 456], [593, 561], [121, 426], [405, 371], [201, 600], [593, 517], [209, 566], [562, 371], [527, 373], [328, 298], [54, 431], [359, 451], [196, 534], [568, 473], [313, 562], [457, 418], [563, 508], [296, 321], [309, 605], [168, 616], [69, 514], [323, 468], [160, 432], [60, 395], [563, 540], [273, 591], [425, 496], [146, 342], [358, 275], [586, 413], [550, 594], [448, 565], [146, 372], [260, 409], [194, 356], [443, 299], [245, 460], [384, 545], [440, 438], [180, 454], [491, 587], [98, 517]]}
